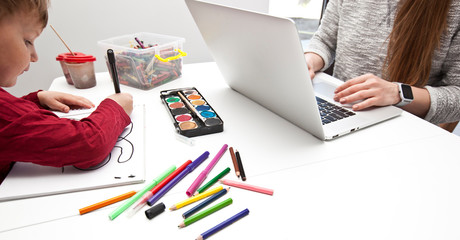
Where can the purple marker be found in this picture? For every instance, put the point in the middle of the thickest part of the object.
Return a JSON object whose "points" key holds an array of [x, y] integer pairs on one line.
{"points": [[177, 179], [199, 180]]}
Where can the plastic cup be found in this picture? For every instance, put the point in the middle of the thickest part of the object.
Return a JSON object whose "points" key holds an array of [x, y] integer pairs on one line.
{"points": [[81, 70], [65, 70]]}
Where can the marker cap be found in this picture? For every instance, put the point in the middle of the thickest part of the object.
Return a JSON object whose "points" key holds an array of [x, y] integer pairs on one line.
{"points": [[155, 210]]}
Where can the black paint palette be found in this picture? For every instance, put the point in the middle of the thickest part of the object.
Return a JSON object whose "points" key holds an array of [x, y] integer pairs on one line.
{"points": [[192, 115]]}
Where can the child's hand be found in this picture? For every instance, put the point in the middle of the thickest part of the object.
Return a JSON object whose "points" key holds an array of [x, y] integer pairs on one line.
{"points": [[62, 101], [125, 100]]}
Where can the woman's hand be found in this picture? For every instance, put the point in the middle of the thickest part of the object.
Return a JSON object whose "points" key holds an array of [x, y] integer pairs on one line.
{"points": [[314, 63], [63, 102], [370, 90]]}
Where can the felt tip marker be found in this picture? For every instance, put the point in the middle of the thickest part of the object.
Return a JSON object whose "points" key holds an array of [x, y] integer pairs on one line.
{"points": [[152, 200], [199, 180], [113, 70], [143, 200]]}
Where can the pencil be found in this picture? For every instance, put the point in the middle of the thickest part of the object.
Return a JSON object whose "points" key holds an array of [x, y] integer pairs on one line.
{"points": [[106, 202], [223, 224], [205, 203], [212, 181], [240, 165], [205, 213], [246, 186], [199, 180], [235, 163], [196, 198], [139, 194]]}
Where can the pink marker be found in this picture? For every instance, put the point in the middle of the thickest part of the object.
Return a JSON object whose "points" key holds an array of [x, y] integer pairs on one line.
{"points": [[199, 180]]}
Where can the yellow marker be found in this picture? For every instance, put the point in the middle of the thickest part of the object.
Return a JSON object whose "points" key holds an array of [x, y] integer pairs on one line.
{"points": [[196, 198]]}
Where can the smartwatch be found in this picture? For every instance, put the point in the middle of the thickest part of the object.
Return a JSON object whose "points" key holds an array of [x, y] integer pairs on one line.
{"points": [[405, 92]]}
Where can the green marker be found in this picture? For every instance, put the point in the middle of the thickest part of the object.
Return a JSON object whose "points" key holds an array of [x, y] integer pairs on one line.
{"points": [[140, 193], [205, 213], [214, 180]]}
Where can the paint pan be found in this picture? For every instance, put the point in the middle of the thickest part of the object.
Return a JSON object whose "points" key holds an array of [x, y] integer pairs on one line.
{"points": [[192, 115]]}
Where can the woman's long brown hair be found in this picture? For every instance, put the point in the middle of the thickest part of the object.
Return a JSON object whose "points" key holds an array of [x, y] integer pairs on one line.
{"points": [[417, 30]]}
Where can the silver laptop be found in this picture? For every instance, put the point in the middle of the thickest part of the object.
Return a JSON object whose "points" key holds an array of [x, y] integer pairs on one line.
{"points": [[261, 57]]}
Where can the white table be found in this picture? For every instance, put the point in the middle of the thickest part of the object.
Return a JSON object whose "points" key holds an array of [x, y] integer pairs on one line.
{"points": [[396, 180]]}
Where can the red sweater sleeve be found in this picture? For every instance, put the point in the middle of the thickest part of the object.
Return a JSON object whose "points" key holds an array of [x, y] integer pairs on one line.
{"points": [[33, 98], [31, 134]]}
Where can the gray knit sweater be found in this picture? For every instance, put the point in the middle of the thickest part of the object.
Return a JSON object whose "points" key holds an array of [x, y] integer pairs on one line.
{"points": [[354, 33]]}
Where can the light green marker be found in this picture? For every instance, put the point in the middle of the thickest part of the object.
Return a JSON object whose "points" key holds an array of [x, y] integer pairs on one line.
{"points": [[205, 213], [140, 193]]}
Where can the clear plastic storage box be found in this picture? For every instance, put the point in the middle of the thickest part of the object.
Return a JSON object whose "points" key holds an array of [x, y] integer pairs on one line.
{"points": [[146, 60]]}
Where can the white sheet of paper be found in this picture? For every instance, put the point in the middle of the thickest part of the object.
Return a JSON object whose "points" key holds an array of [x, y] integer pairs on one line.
{"points": [[124, 165]]}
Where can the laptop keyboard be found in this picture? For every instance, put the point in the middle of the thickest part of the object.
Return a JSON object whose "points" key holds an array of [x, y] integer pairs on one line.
{"points": [[331, 112]]}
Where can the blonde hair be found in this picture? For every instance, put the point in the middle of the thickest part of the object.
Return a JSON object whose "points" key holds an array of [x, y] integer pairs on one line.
{"points": [[39, 7], [417, 31]]}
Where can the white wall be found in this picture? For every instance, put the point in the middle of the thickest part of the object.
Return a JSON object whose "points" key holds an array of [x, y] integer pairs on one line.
{"points": [[82, 23]]}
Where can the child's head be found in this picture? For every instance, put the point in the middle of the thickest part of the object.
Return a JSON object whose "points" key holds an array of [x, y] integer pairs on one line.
{"points": [[21, 22], [37, 7]]}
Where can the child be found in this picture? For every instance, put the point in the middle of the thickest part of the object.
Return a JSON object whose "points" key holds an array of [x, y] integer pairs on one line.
{"points": [[29, 132]]}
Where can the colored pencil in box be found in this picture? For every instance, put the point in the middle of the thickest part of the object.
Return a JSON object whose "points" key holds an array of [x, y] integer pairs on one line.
{"points": [[246, 186], [178, 178], [223, 224], [205, 213], [199, 180], [212, 181], [196, 198], [205, 203], [143, 200]]}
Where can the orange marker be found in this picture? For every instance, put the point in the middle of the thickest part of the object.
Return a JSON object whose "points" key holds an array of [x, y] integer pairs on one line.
{"points": [[106, 202]]}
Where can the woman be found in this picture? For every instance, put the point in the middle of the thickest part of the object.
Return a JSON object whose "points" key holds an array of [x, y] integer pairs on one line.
{"points": [[377, 43]]}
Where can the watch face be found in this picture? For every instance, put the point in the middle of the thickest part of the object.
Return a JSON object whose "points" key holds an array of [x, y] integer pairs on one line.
{"points": [[407, 91]]}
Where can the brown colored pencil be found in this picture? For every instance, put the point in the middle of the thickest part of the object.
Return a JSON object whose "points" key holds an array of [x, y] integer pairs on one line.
{"points": [[235, 163]]}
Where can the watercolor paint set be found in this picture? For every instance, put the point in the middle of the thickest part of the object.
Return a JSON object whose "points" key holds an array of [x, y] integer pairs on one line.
{"points": [[192, 115]]}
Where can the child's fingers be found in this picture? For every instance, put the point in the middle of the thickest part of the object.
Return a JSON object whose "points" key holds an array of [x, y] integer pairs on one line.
{"points": [[58, 106], [78, 102]]}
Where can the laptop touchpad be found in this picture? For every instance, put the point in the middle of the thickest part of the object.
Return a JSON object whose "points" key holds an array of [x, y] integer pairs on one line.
{"points": [[325, 89]]}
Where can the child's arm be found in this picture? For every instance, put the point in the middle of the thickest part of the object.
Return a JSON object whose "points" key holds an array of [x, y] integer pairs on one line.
{"points": [[37, 136]]}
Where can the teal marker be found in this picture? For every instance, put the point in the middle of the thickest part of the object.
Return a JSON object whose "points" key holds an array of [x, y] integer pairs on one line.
{"points": [[140, 193]]}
